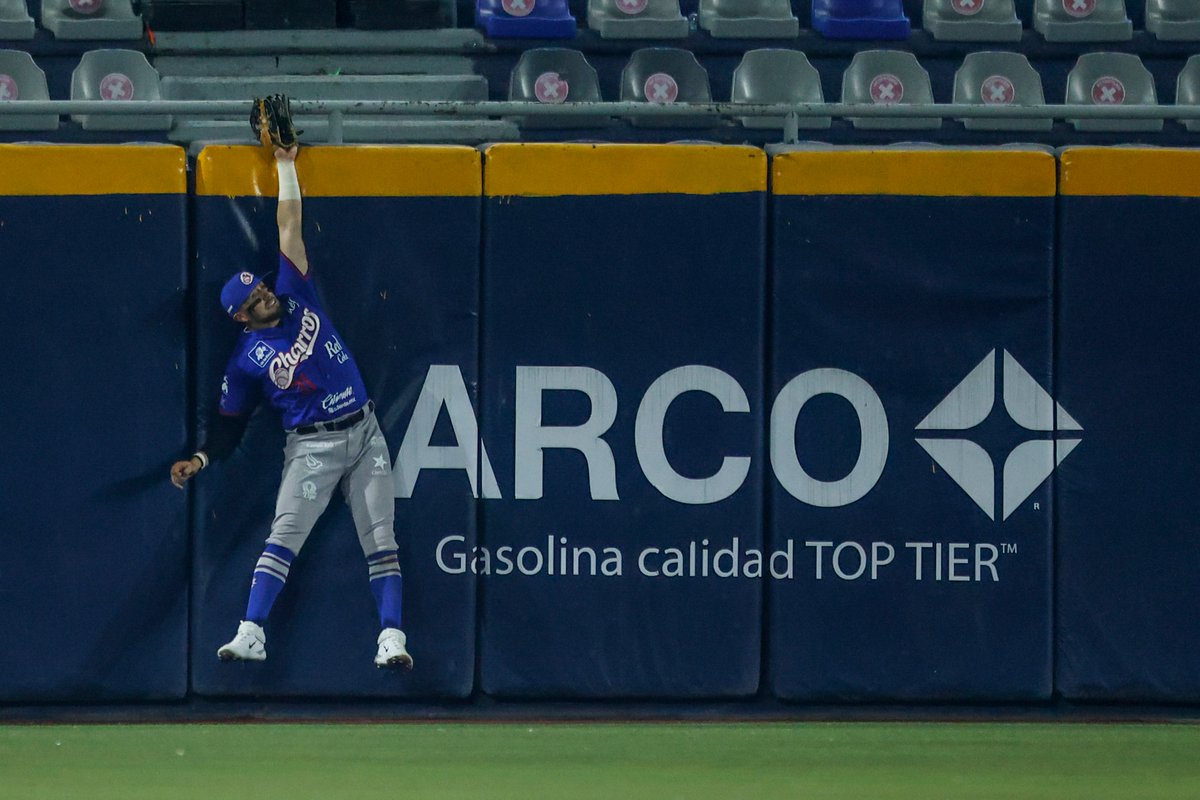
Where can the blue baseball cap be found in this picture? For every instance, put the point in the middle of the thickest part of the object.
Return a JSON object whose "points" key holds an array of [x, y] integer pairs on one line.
{"points": [[236, 290]]}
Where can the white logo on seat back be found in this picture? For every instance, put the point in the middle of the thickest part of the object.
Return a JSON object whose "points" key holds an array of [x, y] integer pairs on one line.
{"points": [[550, 88], [1108, 91], [997, 90], [661, 88], [886, 89], [116, 86]]}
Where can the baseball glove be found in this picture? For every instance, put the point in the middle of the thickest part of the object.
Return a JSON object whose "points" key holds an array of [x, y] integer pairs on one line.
{"points": [[271, 121]]}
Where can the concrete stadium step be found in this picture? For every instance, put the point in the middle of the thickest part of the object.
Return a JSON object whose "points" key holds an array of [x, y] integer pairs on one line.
{"points": [[446, 40], [327, 87]]}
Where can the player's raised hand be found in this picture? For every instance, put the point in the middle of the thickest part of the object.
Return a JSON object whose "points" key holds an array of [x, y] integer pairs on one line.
{"points": [[287, 153], [183, 471]]}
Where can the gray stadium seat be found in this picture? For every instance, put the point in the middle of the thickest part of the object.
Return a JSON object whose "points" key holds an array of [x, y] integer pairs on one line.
{"points": [[777, 76], [971, 20], [999, 78], [1111, 79], [22, 79], [91, 19], [1187, 90], [1082, 20], [555, 75], [117, 75], [749, 19], [666, 75], [1174, 20], [15, 22], [887, 77], [637, 19]]}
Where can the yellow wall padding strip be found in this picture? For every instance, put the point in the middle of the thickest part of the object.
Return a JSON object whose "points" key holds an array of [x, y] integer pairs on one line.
{"points": [[557, 170], [1156, 172], [930, 173], [359, 171], [45, 169]]}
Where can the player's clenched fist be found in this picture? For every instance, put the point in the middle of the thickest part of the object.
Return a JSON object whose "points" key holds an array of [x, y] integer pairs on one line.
{"points": [[183, 471]]}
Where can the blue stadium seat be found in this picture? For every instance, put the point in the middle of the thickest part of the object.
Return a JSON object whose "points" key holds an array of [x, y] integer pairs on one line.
{"points": [[22, 79], [860, 19], [525, 19]]}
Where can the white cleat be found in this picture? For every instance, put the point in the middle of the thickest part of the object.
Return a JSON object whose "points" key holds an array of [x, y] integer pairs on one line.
{"points": [[392, 652], [250, 644]]}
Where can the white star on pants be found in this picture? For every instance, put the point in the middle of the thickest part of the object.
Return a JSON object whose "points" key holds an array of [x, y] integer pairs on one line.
{"points": [[380, 462]]}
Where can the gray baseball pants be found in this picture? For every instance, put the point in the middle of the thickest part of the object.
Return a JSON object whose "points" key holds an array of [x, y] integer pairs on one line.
{"points": [[354, 460]]}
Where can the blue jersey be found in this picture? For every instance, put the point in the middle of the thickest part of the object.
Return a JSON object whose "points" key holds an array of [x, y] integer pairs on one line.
{"points": [[301, 365]]}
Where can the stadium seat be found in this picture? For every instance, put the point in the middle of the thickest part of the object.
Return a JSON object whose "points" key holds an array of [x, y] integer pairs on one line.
{"points": [[555, 75], [91, 19], [192, 15], [22, 79], [402, 14], [999, 78], [777, 76], [971, 20], [15, 22], [1082, 20], [860, 19], [886, 77], [666, 75], [749, 19], [525, 19], [1111, 79], [1187, 90], [637, 19], [117, 75], [1174, 20]]}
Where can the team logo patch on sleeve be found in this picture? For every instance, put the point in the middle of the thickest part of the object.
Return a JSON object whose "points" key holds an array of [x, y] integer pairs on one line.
{"points": [[261, 354]]}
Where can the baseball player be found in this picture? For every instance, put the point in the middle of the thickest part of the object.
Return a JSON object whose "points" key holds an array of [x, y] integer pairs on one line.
{"points": [[290, 355]]}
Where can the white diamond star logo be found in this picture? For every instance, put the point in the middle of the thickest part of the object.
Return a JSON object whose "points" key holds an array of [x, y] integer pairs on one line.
{"points": [[380, 462], [1029, 464]]}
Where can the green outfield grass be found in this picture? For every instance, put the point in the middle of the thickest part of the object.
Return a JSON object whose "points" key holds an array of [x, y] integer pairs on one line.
{"points": [[614, 761]]}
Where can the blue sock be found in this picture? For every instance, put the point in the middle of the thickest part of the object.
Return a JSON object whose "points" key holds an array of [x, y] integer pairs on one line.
{"points": [[270, 573], [384, 569]]}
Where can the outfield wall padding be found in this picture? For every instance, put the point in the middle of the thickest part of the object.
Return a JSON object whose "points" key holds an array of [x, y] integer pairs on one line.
{"points": [[911, 341], [392, 235], [93, 539], [622, 329], [1128, 539]]}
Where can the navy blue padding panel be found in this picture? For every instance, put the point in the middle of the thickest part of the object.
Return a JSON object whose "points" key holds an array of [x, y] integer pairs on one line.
{"points": [[632, 287], [910, 294], [93, 537], [399, 277], [1128, 542]]}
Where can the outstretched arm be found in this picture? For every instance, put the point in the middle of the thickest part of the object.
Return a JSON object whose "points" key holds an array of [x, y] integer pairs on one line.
{"points": [[291, 239]]}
